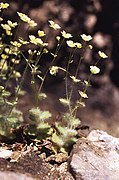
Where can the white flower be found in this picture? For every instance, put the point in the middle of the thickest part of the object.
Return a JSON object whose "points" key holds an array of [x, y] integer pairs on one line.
{"points": [[83, 95], [79, 45], [64, 101], [58, 38], [23, 41], [74, 79], [86, 37], [41, 33], [32, 23], [66, 35], [23, 17], [102, 55], [15, 43], [11, 24], [4, 5], [35, 40], [54, 25], [53, 70], [90, 46], [70, 43], [6, 27], [94, 69]]}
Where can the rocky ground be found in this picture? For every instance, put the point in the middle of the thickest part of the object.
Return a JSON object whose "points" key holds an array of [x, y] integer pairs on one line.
{"points": [[94, 157]]}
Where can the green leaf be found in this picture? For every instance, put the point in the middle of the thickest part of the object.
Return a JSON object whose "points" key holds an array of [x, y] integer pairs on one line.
{"points": [[9, 124], [2, 102], [6, 94], [75, 122], [70, 142], [45, 115], [35, 114], [63, 150], [61, 129], [43, 126], [71, 121], [57, 140], [64, 101], [70, 132], [31, 130]]}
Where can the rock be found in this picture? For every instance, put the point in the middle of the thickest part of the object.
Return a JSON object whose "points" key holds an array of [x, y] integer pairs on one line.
{"points": [[64, 174], [7, 175], [95, 157], [5, 153], [59, 158]]}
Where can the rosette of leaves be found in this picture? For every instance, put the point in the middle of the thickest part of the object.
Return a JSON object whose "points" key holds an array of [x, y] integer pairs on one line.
{"points": [[65, 134], [39, 128], [71, 121], [9, 124]]}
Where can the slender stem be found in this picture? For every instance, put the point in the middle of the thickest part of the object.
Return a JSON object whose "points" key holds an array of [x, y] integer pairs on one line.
{"points": [[76, 74], [2, 13], [39, 57], [55, 56], [18, 27], [85, 89], [66, 77], [12, 69], [19, 87], [26, 60], [72, 89]]}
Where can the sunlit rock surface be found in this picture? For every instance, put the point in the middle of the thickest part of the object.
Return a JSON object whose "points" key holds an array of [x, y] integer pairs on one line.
{"points": [[96, 157]]}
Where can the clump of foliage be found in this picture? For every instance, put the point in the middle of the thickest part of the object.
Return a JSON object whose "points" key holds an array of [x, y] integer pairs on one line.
{"points": [[10, 124], [63, 134], [39, 128]]}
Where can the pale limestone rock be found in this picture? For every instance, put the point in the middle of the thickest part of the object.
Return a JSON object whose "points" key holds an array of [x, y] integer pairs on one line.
{"points": [[96, 157]]}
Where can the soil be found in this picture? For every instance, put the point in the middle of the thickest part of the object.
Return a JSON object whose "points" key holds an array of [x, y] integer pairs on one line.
{"points": [[29, 164], [34, 164]]}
